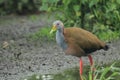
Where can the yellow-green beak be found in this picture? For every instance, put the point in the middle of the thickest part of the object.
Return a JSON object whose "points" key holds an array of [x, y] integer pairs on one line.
{"points": [[53, 29]]}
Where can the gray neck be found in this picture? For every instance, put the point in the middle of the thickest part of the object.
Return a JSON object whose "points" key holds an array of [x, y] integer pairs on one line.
{"points": [[60, 39]]}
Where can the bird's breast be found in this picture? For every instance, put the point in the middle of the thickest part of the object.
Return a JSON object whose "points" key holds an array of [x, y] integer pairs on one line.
{"points": [[61, 40]]}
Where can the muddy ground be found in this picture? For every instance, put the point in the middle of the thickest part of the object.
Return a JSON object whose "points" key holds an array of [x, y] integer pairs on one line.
{"points": [[20, 57]]}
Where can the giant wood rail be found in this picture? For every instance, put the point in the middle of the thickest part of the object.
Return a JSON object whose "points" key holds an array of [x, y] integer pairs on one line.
{"points": [[77, 42]]}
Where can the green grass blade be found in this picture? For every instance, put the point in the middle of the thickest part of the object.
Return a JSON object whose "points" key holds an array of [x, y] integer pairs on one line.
{"points": [[105, 71], [112, 76], [90, 75]]}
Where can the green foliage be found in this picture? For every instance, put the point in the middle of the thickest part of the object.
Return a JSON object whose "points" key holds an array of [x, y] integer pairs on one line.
{"points": [[70, 74], [42, 34], [18, 6], [102, 17], [47, 4], [33, 77], [75, 12], [107, 73], [109, 35], [92, 15], [101, 73], [104, 33]]}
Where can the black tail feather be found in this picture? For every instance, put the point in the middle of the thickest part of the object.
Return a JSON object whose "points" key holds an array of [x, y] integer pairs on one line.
{"points": [[106, 47]]}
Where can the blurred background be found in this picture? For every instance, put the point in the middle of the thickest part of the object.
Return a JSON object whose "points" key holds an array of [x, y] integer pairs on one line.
{"points": [[25, 42], [98, 16]]}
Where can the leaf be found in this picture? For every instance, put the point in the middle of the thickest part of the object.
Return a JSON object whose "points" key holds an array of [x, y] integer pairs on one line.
{"points": [[106, 70], [78, 13], [113, 6], [93, 2], [66, 2], [84, 1], [76, 8], [53, 1], [44, 7], [118, 1], [115, 68], [49, 9], [90, 75], [95, 13], [111, 77], [110, 7]]}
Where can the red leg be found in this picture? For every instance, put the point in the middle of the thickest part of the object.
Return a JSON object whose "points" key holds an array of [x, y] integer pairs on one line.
{"points": [[91, 64], [81, 68], [91, 60]]}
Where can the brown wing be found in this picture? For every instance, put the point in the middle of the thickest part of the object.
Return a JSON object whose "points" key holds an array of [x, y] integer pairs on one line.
{"points": [[74, 49], [86, 41]]}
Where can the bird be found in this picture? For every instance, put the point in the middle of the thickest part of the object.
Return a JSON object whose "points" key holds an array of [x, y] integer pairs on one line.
{"points": [[77, 42]]}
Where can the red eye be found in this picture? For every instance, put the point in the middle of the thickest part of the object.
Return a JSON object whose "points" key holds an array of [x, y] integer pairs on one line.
{"points": [[57, 23]]}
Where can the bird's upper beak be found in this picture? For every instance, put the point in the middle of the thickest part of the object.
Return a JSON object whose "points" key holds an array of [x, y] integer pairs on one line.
{"points": [[53, 29]]}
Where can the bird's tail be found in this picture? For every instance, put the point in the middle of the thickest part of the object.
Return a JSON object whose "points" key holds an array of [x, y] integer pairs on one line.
{"points": [[106, 47]]}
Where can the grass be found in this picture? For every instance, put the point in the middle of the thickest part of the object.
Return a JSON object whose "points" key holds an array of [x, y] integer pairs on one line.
{"points": [[107, 73], [42, 34], [111, 72]]}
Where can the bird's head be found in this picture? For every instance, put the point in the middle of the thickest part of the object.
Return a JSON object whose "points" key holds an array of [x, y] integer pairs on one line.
{"points": [[57, 25]]}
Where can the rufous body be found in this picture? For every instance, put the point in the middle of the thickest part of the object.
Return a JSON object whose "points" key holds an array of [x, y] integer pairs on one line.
{"points": [[81, 42]]}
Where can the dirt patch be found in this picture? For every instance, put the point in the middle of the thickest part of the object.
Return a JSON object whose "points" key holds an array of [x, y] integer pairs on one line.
{"points": [[22, 58]]}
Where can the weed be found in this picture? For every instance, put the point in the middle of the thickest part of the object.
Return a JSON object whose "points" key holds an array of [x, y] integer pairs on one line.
{"points": [[101, 73], [42, 34]]}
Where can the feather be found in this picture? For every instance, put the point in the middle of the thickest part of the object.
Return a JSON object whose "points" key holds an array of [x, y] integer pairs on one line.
{"points": [[81, 42]]}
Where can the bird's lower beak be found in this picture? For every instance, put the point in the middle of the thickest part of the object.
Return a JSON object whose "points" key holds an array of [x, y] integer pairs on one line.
{"points": [[53, 29]]}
